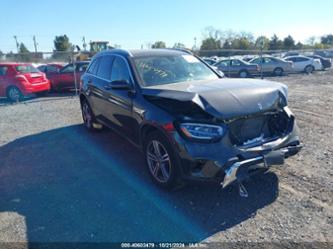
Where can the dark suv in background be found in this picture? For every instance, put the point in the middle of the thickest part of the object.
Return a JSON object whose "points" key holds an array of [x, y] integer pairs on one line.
{"points": [[189, 122]]}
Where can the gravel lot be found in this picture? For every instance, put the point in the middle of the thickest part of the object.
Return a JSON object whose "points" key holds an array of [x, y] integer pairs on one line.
{"points": [[59, 183]]}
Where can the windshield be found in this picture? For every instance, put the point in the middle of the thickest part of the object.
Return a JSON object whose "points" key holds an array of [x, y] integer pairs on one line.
{"points": [[27, 69], [158, 70]]}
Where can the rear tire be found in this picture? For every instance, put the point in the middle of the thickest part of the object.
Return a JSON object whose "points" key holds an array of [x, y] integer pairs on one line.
{"points": [[243, 74], [278, 71], [309, 69], [88, 117], [14, 94], [162, 161]]}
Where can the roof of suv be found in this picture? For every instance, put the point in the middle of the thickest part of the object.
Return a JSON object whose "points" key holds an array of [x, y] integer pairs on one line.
{"points": [[145, 52]]}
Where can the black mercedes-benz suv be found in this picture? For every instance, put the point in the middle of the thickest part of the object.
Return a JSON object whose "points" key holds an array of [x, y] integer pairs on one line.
{"points": [[189, 122]]}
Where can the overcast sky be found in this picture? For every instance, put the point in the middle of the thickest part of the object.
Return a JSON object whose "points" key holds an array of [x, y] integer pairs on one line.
{"points": [[137, 22]]}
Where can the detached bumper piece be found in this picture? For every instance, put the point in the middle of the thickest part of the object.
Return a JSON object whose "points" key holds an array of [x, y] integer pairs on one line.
{"points": [[238, 170]]}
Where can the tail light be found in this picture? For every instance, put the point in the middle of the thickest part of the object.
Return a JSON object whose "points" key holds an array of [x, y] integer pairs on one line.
{"points": [[21, 78]]}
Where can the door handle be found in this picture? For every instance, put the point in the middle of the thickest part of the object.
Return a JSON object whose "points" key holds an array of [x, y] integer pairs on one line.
{"points": [[107, 87]]}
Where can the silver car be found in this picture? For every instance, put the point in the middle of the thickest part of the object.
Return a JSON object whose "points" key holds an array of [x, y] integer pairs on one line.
{"points": [[272, 65]]}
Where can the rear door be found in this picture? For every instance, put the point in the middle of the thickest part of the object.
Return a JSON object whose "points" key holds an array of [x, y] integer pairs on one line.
{"points": [[65, 77], [236, 66], [301, 63], [101, 70], [270, 65]]}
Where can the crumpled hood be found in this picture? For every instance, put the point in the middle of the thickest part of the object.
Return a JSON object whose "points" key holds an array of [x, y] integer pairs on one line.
{"points": [[225, 98]]}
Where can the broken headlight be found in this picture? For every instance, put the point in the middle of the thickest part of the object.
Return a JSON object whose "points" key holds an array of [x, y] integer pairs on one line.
{"points": [[201, 131]]}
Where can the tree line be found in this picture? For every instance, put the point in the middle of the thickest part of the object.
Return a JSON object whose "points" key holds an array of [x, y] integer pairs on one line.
{"points": [[215, 39]]}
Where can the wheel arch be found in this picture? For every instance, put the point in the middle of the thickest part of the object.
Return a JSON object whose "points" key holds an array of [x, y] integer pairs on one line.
{"points": [[148, 128]]}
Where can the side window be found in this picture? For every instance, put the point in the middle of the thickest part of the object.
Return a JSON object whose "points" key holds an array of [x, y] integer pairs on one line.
{"points": [[68, 69], [119, 70], [301, 59], [267, 60], [52, 69], [223, 63], [3, 70], [235, 63], [104, 69], [42, 68]]}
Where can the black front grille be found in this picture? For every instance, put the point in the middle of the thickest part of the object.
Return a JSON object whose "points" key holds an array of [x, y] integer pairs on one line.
{"points": [[244, 131]]}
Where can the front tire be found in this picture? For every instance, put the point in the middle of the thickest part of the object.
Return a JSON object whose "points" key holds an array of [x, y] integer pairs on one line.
{"points": [[162, 161], [14, 94]]}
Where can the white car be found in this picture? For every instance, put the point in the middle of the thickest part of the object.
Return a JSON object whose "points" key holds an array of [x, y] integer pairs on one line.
{"points": [[304, 64]]}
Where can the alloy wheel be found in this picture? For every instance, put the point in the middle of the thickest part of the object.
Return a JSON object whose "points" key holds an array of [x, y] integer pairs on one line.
{"points": [[14, 94], [86, 114], [158, 161]]}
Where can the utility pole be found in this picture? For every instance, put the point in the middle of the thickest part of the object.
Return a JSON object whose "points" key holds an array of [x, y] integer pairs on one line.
{"points": [[35, 43], [195, 43], [84, 45], [17, 45]]}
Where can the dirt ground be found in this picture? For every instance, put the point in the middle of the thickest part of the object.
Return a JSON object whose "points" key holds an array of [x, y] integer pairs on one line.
{"points": [[59, 183]]}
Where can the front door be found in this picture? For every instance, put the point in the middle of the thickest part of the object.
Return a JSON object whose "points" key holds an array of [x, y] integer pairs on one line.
{"points": [[119, 101]]}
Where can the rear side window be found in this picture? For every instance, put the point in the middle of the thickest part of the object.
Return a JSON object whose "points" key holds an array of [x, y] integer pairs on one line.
{"points": [[26, 69], [3, 70], [94, 67], [223, 63], [52, 69], [104, 68], [119, 70]]}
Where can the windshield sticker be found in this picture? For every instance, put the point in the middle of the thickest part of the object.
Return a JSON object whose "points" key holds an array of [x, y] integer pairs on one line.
{"points": [[190, 59]]}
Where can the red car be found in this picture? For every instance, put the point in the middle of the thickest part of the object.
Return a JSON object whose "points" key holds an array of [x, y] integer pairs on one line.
{"points": [[21, 79], [50, 69], [64, 78]]}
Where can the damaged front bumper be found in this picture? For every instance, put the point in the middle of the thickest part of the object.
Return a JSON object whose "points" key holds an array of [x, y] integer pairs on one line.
{"points": [[241, 169]]}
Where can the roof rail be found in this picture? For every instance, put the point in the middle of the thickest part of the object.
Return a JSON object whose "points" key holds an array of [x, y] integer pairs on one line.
{"points": [[182, 50]]}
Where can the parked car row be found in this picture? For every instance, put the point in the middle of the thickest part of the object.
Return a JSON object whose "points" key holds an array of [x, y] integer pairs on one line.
{"points": [[249, 66], [18, 80]]}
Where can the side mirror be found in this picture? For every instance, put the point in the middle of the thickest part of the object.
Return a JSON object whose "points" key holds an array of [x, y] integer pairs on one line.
{"points": [[119, 85]]}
